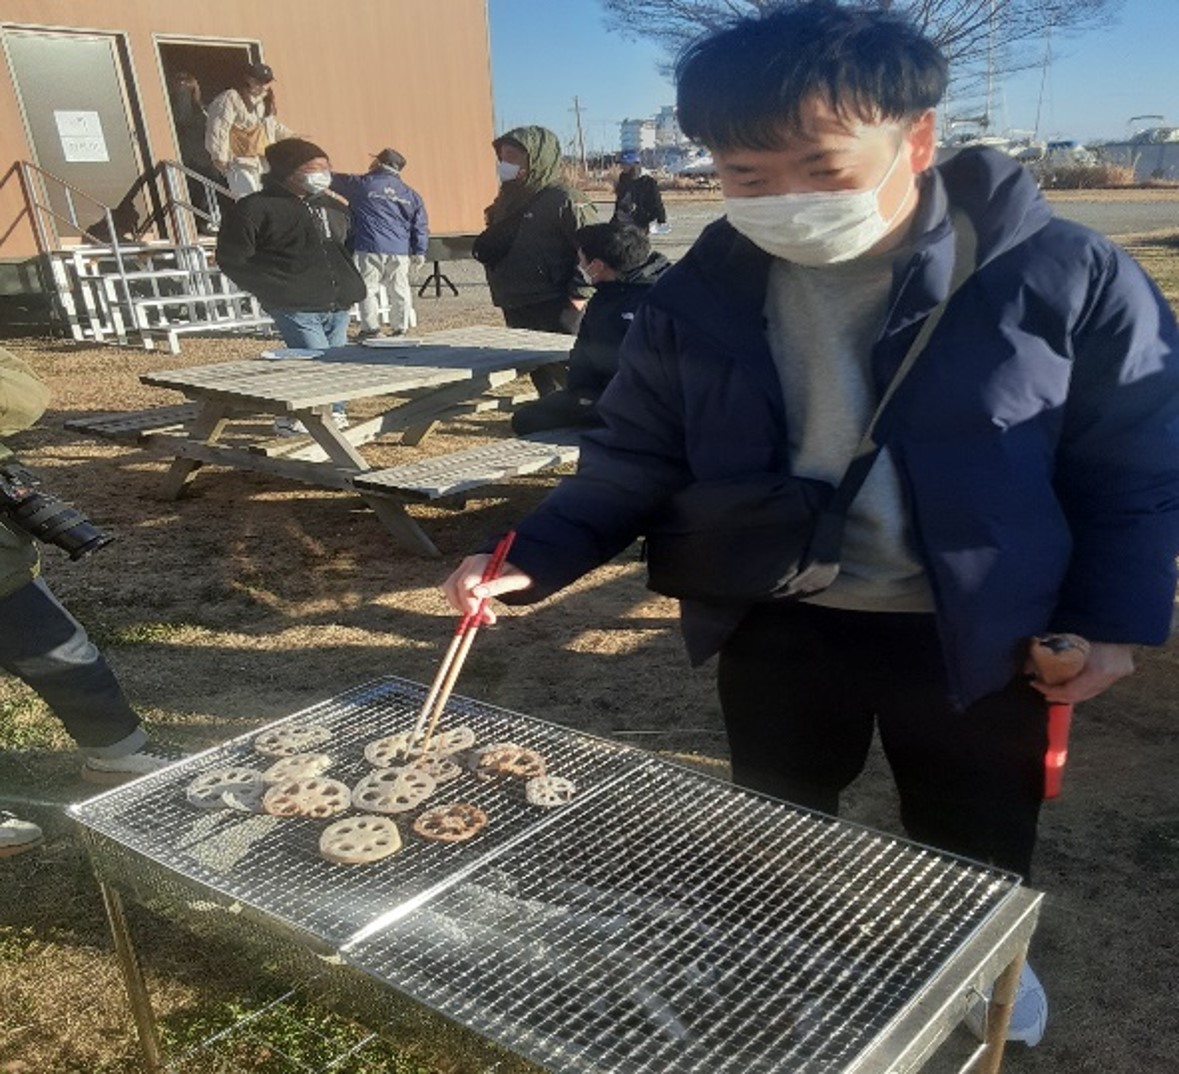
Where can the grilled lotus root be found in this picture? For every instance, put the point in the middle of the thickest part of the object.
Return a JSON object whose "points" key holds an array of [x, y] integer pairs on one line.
{"points": [[442, 769], [393, 790], [451, 823], [508, 759], [407, 746], [287, 741], [205, 791], [297, 766], [316, 796], [1057, 658], [359, 840], [549, 791]]}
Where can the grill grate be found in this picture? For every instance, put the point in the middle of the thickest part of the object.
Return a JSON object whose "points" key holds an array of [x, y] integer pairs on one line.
{"points": [[663, 921]]}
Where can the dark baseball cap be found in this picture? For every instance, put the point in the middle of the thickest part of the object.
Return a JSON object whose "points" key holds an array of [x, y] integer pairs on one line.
{"points": [[261, 71], [389, 156]]}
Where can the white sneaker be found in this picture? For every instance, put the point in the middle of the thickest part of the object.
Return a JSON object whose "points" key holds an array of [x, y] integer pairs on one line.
{"points": [[16, 835], [1029, 1015], [340, 419], [285, 426], [110, 771]]}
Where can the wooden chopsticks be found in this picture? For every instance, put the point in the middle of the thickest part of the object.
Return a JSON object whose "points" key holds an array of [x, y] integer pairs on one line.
{"points": [[460, 645]]}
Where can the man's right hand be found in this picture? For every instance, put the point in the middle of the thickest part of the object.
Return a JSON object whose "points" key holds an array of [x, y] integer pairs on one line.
{"points": [[465, 588]]}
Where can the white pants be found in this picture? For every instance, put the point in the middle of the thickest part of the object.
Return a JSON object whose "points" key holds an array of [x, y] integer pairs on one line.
{"points": [[244, 176], [392, 270]]}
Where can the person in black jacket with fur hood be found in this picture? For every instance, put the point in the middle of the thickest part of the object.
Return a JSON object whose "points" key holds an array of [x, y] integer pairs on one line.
{"points": [[285, 244]]}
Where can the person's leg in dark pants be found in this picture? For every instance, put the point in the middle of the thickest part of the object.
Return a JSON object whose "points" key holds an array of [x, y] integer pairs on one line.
{"points": [[798, 725], [47, 648], [555, 315], [557, 410]]}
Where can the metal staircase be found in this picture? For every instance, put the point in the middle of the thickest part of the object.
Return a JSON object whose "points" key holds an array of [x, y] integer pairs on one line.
{"points": [[117, 284]]}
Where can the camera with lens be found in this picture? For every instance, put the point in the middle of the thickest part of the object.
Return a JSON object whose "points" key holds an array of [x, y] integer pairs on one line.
{"points": [[45, 517]]}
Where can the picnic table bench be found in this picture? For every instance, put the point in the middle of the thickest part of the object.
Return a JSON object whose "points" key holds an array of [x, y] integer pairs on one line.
{"points": [[425, 382]]}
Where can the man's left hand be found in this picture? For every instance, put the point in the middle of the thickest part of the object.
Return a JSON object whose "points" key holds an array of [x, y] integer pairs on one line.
{"points": [[1106, 664]]}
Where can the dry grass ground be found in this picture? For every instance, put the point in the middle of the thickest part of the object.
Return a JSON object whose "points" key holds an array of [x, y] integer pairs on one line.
{"points": [[248, 599]]}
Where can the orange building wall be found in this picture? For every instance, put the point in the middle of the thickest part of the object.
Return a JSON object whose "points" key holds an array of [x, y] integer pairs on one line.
{"points": [[353, 76]]}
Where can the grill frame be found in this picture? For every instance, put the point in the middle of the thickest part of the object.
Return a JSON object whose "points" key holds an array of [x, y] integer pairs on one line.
{"points": [[493, 898]]}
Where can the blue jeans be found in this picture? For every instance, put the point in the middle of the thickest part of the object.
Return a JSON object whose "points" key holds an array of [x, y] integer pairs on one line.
{"points": [[312, 329], [41, 643]]}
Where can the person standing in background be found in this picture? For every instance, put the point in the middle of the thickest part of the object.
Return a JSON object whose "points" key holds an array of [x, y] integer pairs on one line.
{"points": [[637, 200], [389, 235], [191, 120], [529, 247], [242, 122], [286, 245]]}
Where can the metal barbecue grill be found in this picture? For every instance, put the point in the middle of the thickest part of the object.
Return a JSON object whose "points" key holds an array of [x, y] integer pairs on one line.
{"points": [[662, 921]]}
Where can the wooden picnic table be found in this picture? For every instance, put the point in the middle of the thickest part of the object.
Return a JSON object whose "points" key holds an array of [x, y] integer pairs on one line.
{"points": [[445, 373]]}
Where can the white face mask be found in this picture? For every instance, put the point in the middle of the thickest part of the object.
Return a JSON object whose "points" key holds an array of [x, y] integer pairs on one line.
{"points": [[584, 273], [816, 228], [316, 182], [506, 172]]}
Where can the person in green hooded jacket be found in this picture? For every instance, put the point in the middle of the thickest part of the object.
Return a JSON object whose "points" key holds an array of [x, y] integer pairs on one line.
{"points": [[529, 247]]}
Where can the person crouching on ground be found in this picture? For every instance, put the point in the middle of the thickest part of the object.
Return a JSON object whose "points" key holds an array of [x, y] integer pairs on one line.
{"points": [[389, 236], [286, 245], [617, 260], [42, 644]]}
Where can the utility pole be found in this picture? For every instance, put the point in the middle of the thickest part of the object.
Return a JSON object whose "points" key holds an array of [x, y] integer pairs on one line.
{"points": [[580, 136]]}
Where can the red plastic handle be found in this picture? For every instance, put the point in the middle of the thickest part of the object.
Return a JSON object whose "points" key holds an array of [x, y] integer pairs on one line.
{"points": [[1056, 755]]}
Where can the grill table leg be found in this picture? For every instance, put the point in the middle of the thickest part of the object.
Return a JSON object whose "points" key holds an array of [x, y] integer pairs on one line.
{"points": [[145, 1020], [999, 1015]]}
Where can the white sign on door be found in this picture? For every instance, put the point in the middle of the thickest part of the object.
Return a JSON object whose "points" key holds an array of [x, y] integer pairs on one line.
{"points": [[81, 136]]}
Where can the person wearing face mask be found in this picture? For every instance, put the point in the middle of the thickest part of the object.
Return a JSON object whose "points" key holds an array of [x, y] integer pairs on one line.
{"points": [[241, 123], [617, 261], [286, 245], [529, 247], [1020, 479]]}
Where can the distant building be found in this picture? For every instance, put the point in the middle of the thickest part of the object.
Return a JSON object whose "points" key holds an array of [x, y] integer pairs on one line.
{"points": [[637, 135], [667, 129]]}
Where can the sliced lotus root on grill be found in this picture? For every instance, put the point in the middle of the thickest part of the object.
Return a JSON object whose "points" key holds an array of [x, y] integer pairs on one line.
{"points": [[316, 796], [393, 790], [508, 759], [246, 799], [287, 741], [442, 769], [407, 746], [297, 766], [359, 840], [205, 791], [549, 791], [451, 823]]}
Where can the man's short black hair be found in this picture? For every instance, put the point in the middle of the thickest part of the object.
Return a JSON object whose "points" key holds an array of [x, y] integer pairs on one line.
{"points": [[621, 246], [743, 86]]}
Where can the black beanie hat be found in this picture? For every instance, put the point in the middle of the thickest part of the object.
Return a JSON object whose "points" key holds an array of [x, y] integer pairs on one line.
{"points": [[291, 153]]}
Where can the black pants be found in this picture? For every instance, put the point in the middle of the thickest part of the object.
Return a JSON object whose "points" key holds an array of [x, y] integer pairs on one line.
{"points": [[802, 688], [555, 315], [561, 409]]}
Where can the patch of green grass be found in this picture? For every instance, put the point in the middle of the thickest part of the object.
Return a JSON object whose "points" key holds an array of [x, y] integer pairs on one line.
{"points": [[278, 1034], [25, 720]]}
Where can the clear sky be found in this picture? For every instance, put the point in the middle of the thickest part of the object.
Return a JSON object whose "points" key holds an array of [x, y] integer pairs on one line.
{"points": [[546, 52]]}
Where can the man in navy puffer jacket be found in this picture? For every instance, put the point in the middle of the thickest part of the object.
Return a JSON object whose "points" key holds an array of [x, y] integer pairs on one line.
{"points": [[1029, 480], [390, 232]]}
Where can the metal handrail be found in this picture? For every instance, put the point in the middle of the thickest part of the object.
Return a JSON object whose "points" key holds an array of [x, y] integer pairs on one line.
{"points": [[27, 172], [168, 171]]}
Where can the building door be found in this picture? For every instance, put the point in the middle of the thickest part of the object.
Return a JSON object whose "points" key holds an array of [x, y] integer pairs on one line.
{"points": [[81, 121]]}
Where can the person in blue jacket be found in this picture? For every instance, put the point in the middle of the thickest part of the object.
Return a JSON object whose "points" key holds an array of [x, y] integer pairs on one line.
{"points": [[1029, 480], [390, 231]]}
